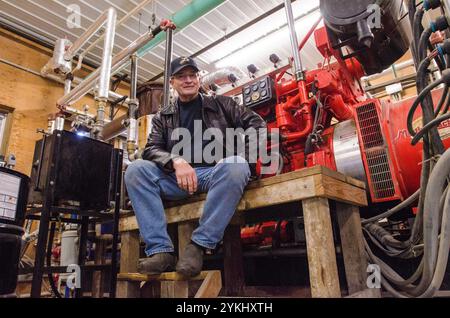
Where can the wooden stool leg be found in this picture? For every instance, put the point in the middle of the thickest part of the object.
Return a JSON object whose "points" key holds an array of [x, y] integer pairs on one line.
{"points": [[129, 258], [320, 248], [97, 279], [233, 261], [352, 247]]}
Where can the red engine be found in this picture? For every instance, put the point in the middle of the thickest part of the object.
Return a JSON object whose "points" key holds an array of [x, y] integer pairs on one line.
{"points": [[327, 120]]}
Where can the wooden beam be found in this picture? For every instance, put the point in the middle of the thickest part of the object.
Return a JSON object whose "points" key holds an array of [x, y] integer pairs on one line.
{"points": [[339, 191], [313, 183], [355, 261], [306, 172], [97, 276], [211, 286], [173, 276], [320, 249], [129, 258], [233, 261]]}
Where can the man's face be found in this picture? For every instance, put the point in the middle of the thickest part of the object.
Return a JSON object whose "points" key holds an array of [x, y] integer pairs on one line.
{"points": [[186, 82]]}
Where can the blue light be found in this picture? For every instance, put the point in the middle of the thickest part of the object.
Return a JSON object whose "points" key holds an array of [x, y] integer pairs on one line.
{"points": [[83, 134]]}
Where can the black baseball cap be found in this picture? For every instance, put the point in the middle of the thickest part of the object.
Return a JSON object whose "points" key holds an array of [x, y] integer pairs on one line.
{"points": [[182, 62]]}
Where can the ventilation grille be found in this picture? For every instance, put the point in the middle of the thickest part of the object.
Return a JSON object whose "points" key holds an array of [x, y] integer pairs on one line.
{"points": [[375, 152]]}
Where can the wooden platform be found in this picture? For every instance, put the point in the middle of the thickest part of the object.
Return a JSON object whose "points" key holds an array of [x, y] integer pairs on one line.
{"points": [[314, 187]]}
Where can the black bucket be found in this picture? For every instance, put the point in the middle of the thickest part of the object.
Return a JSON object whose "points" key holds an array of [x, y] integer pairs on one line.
{"points": [[10, 247], [13, 201]]}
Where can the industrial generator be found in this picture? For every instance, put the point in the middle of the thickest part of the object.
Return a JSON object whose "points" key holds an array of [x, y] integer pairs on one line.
{"points": [[399, 148]]}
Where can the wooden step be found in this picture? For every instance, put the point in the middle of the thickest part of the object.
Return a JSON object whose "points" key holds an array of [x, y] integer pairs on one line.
{"points": [[176, 285]]}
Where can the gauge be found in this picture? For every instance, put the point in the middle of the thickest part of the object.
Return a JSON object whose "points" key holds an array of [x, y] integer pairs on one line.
{"points": [[247, 91], [256, 96], [264, 93], [255, 87], [263, 84], [248, 100]]}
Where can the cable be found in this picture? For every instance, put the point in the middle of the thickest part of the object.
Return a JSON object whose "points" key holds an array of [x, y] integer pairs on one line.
{"points": [[442, 101], [435, 122], [429, 236], [418, 100], [413, 198]]}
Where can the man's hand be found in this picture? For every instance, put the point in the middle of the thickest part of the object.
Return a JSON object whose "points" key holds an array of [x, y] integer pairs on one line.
{"points": [[186, 176]]}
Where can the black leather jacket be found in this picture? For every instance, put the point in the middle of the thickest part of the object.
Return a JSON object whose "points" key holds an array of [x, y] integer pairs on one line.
{"points": [[218, 112]]}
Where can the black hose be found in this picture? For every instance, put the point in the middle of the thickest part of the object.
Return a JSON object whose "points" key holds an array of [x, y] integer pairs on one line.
{"points": [[437, 146], [413, 198], [416, 103], [442, 101], [447, 106], [434, 201], [423, 43], [417, 31], [411, 11], [435, 122]]}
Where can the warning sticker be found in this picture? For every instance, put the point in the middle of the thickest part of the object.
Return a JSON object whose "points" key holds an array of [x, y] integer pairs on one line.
{"points": [[443, 128], [9, 194]]}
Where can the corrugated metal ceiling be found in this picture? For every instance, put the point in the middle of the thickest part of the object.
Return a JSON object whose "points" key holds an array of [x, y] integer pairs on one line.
{"points": [[47, 19]]}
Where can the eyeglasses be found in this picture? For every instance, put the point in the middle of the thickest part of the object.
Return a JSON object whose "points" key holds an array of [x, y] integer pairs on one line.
{"points": [[185, 77]]}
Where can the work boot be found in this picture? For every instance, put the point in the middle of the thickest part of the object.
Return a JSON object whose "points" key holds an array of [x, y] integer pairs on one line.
{"points": [[157, 264], [191, 262]]}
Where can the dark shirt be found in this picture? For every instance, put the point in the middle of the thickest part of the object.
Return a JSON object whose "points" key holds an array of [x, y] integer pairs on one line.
{"points": [[189, 113]]}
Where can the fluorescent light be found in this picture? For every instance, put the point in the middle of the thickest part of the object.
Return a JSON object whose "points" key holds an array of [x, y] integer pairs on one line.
{"points": [[272, 43]]}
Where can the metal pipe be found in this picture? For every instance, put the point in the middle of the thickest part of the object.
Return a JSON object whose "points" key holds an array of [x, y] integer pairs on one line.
{"points": [[67, 85], [117, 62], [221, 76], [308, 35], [183, 18], [134, 78], [59, 123], [264, 35], [115, 128], [168, 60], [113, 96], [105, 69], [100, 119], [133, 107], [119, 125], [93, 29], [124, 19], [298, 67], [231, 34], [57, 64]]}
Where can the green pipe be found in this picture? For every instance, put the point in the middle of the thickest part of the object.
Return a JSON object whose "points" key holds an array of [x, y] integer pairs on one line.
{"points": [[183, 18]]}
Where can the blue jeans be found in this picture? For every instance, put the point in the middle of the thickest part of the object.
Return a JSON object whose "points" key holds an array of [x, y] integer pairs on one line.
{"points": [[148, 185]]}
